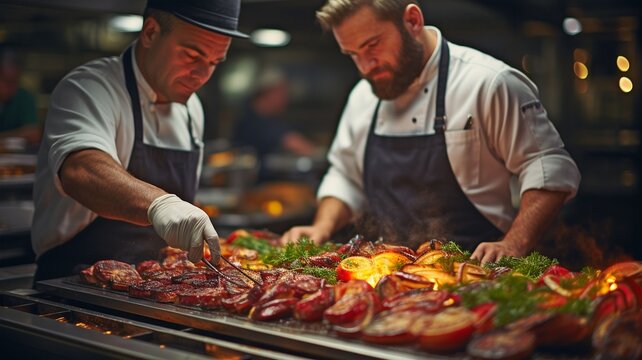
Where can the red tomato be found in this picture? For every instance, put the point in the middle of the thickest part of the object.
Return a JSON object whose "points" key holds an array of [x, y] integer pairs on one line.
{"points": [[391, 327], [485, 314], [235, 234], [445, 331]]}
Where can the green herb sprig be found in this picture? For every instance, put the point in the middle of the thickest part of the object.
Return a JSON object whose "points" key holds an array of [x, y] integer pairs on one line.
{"points": [[301, 250], [531, 266], [261, 246]]}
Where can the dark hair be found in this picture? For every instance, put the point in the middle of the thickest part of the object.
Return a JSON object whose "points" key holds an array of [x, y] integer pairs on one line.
{"points": [[334, 12], [164, 19]]}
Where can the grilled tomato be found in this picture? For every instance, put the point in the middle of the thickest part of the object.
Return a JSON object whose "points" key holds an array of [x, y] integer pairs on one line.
{"points": [[355, 267], [445, 331]]}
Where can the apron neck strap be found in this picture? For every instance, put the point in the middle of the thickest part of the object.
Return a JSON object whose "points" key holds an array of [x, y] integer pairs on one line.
{"points": [[132, 89], [442, 80]]}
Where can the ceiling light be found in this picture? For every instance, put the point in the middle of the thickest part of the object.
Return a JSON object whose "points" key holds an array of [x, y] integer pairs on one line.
{"points": [[626, 85], [572, 26], [126, 23], [623, 63], [270, 37]]}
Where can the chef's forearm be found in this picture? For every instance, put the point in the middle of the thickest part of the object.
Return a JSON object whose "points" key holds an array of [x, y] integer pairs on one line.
{"points": [[538, 210], [332, 214], [95, 180]]}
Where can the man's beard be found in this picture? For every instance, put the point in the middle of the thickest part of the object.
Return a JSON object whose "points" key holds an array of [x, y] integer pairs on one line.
{"points": [[410, 64]]}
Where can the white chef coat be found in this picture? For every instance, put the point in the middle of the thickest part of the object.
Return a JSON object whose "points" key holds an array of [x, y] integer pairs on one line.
{"points": [[510, 134], [91, 109]]}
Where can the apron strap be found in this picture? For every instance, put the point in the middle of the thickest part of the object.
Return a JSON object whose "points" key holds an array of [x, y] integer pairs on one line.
{"points": [[442, 80], [132, 89]]}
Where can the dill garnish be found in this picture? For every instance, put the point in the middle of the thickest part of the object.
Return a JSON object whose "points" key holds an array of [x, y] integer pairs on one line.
{"points": [[330, 275], [531, 266], [261, 246], [301, 250]]}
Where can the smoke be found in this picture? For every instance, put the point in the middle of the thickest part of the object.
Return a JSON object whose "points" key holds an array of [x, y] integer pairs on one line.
{"points": [[575, 246]]}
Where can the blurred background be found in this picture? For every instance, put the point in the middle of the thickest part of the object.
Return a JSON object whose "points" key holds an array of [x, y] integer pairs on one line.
{"points": [[583, 54]]}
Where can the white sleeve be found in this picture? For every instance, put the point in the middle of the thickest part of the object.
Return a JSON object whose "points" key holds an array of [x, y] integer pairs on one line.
{"points": [[82, 115], [521, 135], [344, 179]]}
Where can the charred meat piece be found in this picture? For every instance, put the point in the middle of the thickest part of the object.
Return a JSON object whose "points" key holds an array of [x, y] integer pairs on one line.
{"points": [[168, 293], [280, 290], [148, 265], [87, 276], [408, 252], [311, 308], [272, 275], [117, 274], [208, 298], [352, 247], [351, 309], [205, 283], [189, 277], [144, 290], [238, 303], [164, 276], [305, 284], [328, 260], [426, 299], [272, 310], [178, 263]]}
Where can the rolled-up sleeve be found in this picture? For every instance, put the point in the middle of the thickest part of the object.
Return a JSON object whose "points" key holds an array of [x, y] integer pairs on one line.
{"points": [[77, 120], [523, 137]]}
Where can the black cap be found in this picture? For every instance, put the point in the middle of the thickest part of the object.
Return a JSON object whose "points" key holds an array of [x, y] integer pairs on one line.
{"points": [[220, 16]]}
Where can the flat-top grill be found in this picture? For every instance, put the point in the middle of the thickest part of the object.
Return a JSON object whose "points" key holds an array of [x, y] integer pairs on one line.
{"points": [[286, 337]]}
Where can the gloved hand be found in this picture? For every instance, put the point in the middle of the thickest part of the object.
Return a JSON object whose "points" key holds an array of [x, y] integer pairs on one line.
{"points": [[184, 226]]}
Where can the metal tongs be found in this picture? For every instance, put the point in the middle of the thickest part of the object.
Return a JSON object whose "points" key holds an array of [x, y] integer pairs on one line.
{"points": [[220, 273]]}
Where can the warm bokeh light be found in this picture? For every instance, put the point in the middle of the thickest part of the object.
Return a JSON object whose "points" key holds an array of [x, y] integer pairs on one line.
{"points": [[273, 208], [626, 85], [581, 86], [581, 71], [623, 63], [581, 55]]}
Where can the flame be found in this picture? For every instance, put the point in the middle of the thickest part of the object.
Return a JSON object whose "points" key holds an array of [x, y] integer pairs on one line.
{"points": [[613, 287], [449, 302]]}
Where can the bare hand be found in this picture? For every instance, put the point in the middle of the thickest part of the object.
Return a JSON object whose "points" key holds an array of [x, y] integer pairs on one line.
{"points": [[493, 251], [316, 234]]}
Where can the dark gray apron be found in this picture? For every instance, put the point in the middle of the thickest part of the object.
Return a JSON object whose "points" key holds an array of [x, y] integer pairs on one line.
{"points": [[412, 191], [171, 170]]}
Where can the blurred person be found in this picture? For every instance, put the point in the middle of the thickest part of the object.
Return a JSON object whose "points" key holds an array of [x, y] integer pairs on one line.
{"points": [[261, 125], [122, 145], [18, 116], [431, 136]]}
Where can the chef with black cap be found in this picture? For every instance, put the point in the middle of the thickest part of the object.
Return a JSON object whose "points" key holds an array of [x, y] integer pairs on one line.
{"points": [[120, 158]]}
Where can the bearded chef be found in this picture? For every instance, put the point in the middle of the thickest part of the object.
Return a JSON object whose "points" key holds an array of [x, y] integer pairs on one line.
{"points": [[119, 163], [430, 138]]}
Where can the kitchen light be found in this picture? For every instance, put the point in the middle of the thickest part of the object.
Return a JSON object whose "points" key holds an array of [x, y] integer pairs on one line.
{"points": [[623, 63], [572, 26], [270, 37], [581, 71], [626, 85], [126, 23]]}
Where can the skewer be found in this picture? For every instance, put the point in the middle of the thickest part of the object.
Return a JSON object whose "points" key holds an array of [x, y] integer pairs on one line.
{"points": [[219, 273], [241, 271]]}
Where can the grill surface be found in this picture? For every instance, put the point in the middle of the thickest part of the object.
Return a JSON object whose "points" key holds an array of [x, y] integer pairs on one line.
{"points": [[291, 335]]}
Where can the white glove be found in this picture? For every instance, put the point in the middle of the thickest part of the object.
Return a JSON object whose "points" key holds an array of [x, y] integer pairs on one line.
{"points": [[184, 226]]}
